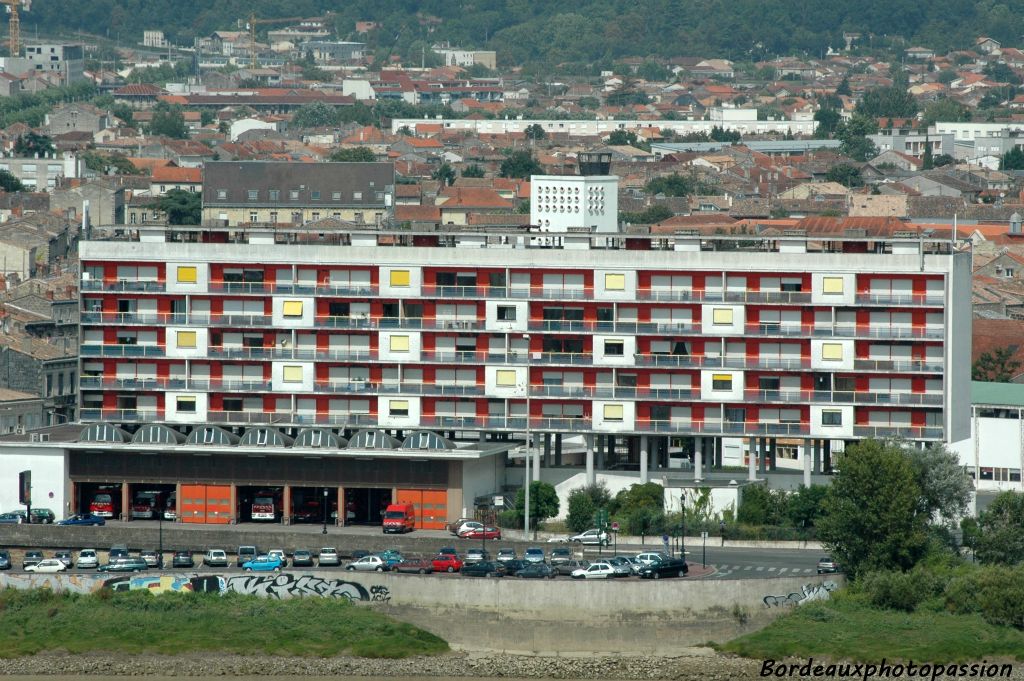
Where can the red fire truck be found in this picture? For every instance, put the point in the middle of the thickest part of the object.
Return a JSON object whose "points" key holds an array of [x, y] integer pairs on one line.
{"points": [[106, 501], [266, 505]]}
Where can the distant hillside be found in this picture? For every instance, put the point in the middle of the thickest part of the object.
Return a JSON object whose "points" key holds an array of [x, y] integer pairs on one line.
{"points": [[556, 31]]}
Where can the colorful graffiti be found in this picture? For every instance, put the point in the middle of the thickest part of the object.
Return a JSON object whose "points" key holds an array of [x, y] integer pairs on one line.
{"points": [[809, 592]]}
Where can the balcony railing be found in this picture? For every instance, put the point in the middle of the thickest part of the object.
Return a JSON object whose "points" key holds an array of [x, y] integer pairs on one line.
{"points": [[123, 285], [122, 415], [113, 350], [841, 397]]}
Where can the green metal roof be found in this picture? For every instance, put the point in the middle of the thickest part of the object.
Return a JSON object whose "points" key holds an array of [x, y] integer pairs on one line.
{"points": [[997, 394]]}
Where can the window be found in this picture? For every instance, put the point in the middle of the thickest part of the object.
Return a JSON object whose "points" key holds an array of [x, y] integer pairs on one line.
{"points": [[614, 347], [791, 285], [291, 373], [613, 412], [832, 351], [292, 308], [254, 194], [222, 194], [505, 378], [831, 417], [721, 382], [187, 275], [273, 217], [832, 285], [314, 196], [335, 196], [186, 339], [357, 196], [506, 313], [399, 344], [185, 404], [398, 407], [293, 195], [254, 216], [275, 194], [400, 278], [721, 316], [615, 282]]}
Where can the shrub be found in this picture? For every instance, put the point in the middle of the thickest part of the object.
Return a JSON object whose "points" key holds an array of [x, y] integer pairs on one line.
{"points": [[1001, 596], [894, 590], [961, 595]]}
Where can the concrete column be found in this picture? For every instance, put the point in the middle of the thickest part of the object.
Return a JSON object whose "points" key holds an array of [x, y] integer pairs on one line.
{"points": [[643, 459], [233, 520], [611, 447], [558, 449], [591, 478], [342, 512], [126, 501], [535, 472], [806, 455], [177, 504], [602, 447], [817, 456], [752, 458], [286, 512], [773, 447], [698, 458], [827, 455], [547, 449], [762, 445]]}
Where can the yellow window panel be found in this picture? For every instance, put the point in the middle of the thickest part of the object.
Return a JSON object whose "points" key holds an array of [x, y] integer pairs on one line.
{"points": [[613, 412], [400, 278], [721, 377], [721, 315], [832, 351], [186, 399], [187, 275], [292, 374], [186, 339], [399, 405], [399, 344], [505, 377], [832, 285], [615, 282], [292, 308]]}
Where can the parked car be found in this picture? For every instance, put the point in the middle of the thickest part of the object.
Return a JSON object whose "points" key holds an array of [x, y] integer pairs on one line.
{"points": [[64, 557], [591, 537], [447, 562], [623, 566], [391, 557], [41, 516], [484, 569], [476, 555], [514, 566], [595, 571], [644, 559], [670, 567], [5, 560], [827, 564], [418, 565], [506, 554], [82, 519], [359, 553], [482, 533], [268, 563], [569, 567], [130, 564], [328, 556], [447, 549], [468, 526], [31, 558], [279, 553], [533, 555], [536, 571], [154, 559], [455, 526], [10, 518], [559, 556], [88, 559], [245, 554], [215, 558], [117, 551], [182, 559], [47, 565], [302, 558], [368, 564]]}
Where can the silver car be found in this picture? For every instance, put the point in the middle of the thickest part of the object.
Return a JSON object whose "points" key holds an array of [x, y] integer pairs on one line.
{"points": [[533, 555], [506, 554], [88, 559], [623, 566]]}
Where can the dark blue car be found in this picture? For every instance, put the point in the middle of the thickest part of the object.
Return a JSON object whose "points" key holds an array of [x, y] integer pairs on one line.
{"points": [[82, 519]]}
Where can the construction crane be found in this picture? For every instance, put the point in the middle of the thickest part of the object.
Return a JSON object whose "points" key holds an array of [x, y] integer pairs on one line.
{"points": [[253, 21], [14, 22]]}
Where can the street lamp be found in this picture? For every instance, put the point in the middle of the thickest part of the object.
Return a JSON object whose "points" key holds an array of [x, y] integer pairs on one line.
{"points": [[325, 511], [526, 473]]}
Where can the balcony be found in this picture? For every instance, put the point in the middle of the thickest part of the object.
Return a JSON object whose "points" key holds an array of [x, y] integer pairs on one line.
{"points": [[123, 286], [112, 350], [909, 432], [841, 397], [654, 328], [901, 300], [122, 415], [844, 331]]}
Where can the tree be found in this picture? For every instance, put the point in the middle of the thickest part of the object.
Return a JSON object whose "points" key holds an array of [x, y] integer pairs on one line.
{"points": [[649, 494], [206, 117], [651, 215], [352, 155], [116, 164], [584, 502], [473, 170], [844, 87], [944, 484], [888, 102], [928, 159], [535, 131], [1012, 160], [1001, 73], [845, 174], [168, 121], [762, 506], [445, 174], [181, 207], [944, 109], [9, 182], [1000, 530], [872, 515], [943, 160], [995, 366], [543, 502], [33, 143], [853, 137], [827, 120], [315, 115], [520, 164], [807, 505]]}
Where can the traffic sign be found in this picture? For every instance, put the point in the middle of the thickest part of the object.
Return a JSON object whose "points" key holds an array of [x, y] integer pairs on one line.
{"points": [[703, 535], [615, 527]]}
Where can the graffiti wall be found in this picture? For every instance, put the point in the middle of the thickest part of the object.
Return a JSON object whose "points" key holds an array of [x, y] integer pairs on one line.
{"points": [[269, 586], [809, 593]]}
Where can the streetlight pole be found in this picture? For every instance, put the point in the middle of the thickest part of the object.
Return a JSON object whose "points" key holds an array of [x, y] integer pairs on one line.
{"points": [[325, 511], [526, 473]]}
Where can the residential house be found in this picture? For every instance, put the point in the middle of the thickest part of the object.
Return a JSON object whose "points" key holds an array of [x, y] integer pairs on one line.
{"points": [[77, 117], [166, 178], [456, 203]]}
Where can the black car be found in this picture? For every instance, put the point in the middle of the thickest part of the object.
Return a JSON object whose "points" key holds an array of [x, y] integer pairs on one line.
{"points": [[183, 559], [302, 558], [5, 560], [359, 553], [536, 571], [131, 564], [31, 558], [668, 567], [484, 569], [514, 566]]}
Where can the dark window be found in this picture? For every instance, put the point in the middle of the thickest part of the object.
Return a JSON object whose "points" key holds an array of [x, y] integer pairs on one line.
{"points": [[823, 381], [496, 279], [413, 310], [734, 415], [626, 380], [232, 404], [390, 309], [507, 313], [831, 417], [252, 341], [792, 287], [253, 276], [446, 279], [614, 348], [605, 314], [338, 309], [681, 348], [772, 383], [721, 383], [660, 412], [128, 402]]}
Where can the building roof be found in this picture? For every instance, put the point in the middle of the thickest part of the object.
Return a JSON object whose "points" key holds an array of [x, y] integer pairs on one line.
{"points": [[1001, 394], [348, 180], [173, 174]]}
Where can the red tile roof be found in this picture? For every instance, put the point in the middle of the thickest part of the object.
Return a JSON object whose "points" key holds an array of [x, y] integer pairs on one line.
{"points": [[174, 175], [417, 213]]}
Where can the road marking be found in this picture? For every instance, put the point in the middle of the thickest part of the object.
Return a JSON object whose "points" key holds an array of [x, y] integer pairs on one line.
{"points": [[760, 568], [808, 571], [746, 568], [771, 569], [781, 570]]}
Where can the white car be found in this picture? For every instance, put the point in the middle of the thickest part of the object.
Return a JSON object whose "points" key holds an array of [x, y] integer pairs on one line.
{"points": [[87, 559], [279, 554], [48, 565], [593, 537], [368, 564], [215, 558], [468, 527], [328, 556], [642, 560], [594, 571]]}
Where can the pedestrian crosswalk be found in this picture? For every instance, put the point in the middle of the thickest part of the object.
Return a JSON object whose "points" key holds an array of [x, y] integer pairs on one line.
{"points": [[765, 571]]}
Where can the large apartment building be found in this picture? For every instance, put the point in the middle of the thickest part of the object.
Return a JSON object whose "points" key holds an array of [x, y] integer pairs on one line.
{"points": [[400, 365]]}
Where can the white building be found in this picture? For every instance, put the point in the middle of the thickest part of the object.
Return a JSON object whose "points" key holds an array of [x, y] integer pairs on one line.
{"points": [[563, 202]]}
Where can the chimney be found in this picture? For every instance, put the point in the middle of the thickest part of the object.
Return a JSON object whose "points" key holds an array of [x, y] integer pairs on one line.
{"points": [[49, 294], [1015, 226]]}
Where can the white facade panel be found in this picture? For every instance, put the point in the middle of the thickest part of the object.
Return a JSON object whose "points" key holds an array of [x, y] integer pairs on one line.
{"points": [[722, 319], [405, 281], [391, 343], [186, 407], [823, 421], [172, 340], [606, 416], [732, 393], [497, 380], [825, 288], [606, 347], [180, 277], [497, 313], [292, 377], [615, 284], [293, 312], [398, 411], [833, 354]]}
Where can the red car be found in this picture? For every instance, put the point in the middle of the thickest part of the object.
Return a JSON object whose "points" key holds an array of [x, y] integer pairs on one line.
{"points": [[447, 562], [483, 533]]}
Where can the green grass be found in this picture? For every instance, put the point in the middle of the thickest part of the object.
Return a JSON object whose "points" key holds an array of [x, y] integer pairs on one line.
{"points": [[847, 628], [178, 623]]}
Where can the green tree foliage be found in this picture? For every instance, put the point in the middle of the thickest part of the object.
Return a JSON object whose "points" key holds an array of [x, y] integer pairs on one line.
{"points": [[535, 131], [206, 117], [807, 505], [844, 87], [543, 502], [996, 366], [853, 137], [681, 185], [107, 164], [473, 170], [873, 518], [828, 119], [445, 174], [181, 207], [651, 215], [888, 102], [943, 160], [646, 495], [944, 485], [168, 121], [315, 115], [1012, 160], [945, 110], [762, 506], [33, 143], [162, 74], [1000, 530], [353, 155], [845, 174], [928, 158], [722, 135], [623, 138], [9, 182], [520, 164], [1001, 73], [584, 502]]}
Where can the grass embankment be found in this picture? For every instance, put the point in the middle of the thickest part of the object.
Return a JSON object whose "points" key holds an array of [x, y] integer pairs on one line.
{"points": [[176, 623], [848, 627]]}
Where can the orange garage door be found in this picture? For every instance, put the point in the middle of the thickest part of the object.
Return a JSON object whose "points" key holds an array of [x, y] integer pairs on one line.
{"points": [[431, 506], [205, 504]]}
